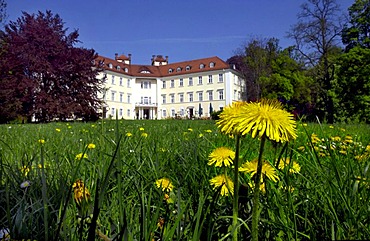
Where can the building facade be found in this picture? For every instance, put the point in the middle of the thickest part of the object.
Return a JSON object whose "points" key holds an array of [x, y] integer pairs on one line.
{"points": [[189, 89]]}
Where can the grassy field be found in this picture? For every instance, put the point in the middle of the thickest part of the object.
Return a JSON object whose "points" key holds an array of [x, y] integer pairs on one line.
{"points": [[66, 181]]}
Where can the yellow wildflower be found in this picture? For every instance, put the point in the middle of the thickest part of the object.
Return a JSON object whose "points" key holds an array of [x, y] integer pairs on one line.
{"points": [[145, 135], [226, 184], [80, 191], [91, 146], [57, 129], [293, 167], [41, 141], [80, 156], [267, 169], [141, 129], [165, 184], [25, 170], [221, 156], [128, 134]]}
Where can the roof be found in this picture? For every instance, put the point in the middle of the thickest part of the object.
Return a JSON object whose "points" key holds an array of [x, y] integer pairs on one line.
{"points": [[172, 69]]}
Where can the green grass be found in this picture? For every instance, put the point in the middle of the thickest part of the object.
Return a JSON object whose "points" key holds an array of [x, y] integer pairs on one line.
{"points": [[330, 198]]}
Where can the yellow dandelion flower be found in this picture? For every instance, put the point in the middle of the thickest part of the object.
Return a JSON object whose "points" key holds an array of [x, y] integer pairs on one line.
{"points": [[128, 134], [342, 129], [91, 146], [331, 127], [165, 184], [189, 129], [145, 135], [223, 181], [25, 170], [304, 124], [221, 156], [343, 152], [286, 162], [322, 154], [315, 139], [57, 129], [267, 169], [301, 148], [336, 138], [80, 191], [208, 131], [227, 122], [141, 129], [266, 117], [41, 141], [362, 157], [367, 148], [81, 156], [200, 135]]}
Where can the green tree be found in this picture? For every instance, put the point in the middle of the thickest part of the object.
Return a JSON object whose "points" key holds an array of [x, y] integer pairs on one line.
{"points": [[354, 85], [316, 34], [357, 31]]}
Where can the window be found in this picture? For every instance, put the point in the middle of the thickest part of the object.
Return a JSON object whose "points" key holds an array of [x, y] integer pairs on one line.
{"points": [[181, 97], [145, 84], [146, 100], [120, 112], [120, 97], [201, 66], [187, 68], [182, 112], [190, 81], [178, 69], [173, 113], [200, 96], [112, 95], [110, 65], [112, 79], [120, 81], [163, 99], [172, 83], [190, 97], [128, 83], [118, 67], [113, 112], [210, 95], [181, 82], [221, 94], [211, 65], [172, 98], [210, 79], [200, 81], [164, 114], [163, 84], [128, 112], [128, 98], [170, 71], [126, 70], [220, 78]]}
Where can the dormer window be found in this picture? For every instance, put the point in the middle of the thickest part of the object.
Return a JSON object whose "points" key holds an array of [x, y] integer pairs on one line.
{"points": [[201, 66], [211, 65], [170, 71], [178, 69], [187, 68], [145, 72], [126, 70], [118, 67], [110, 65]]}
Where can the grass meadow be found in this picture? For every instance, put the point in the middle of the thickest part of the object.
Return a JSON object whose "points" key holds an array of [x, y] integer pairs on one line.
{"points": [[80, 181]]}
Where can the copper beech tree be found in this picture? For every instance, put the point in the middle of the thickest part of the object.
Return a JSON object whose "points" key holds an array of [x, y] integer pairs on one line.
{"points": [[43, 76]]}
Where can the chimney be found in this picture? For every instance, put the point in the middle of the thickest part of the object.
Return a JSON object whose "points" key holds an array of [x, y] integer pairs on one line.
{"points": [[129, 57], [167, 58], [115, 56]]}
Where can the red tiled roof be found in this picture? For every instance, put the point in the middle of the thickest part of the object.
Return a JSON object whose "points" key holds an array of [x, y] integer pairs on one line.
{"points": [[163, 70]]}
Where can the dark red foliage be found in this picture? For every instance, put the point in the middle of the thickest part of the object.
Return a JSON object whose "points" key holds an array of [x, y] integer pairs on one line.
{"points": [[42, 74]]}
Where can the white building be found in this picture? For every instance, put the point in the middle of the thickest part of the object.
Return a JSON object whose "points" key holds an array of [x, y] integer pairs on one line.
{"points": [[161, 90]]}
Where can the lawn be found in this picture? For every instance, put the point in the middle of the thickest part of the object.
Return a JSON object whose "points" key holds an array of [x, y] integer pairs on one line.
{"points": [[150, 180]]}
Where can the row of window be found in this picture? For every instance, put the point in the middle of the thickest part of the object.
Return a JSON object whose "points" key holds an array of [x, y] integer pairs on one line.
{"points": [[191, 82], [120, 112], [110, 65], [113, 97], [191, 96], [188, 67], [120, 81]]}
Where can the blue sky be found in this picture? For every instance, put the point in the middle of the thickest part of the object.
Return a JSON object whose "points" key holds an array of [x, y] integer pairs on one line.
{"points": [[183, 30]]}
